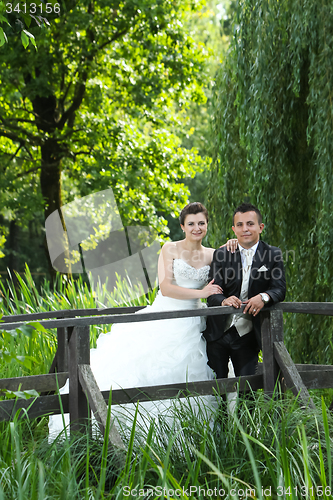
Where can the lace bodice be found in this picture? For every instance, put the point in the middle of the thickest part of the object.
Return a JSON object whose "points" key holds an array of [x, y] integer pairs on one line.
{"points": [[188, 276]]}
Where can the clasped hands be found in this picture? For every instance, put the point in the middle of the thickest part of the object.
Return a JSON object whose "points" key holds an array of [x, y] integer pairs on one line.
{"points": [[253, 305]]}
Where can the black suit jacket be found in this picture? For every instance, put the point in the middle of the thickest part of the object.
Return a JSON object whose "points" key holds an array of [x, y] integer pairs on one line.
{"points": [[226, 269]]}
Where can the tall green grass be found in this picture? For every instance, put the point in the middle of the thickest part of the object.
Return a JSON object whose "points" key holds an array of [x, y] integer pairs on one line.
{"points": [[22, 296], [277, 450], [272, 450]]}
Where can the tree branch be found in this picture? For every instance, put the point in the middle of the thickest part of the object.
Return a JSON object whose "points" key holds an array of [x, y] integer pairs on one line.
{"points": [[113, 39], [26, 172], [16, 138], [27, 150], [77, 100], [12, 157], [62, 100], [81, 88]]}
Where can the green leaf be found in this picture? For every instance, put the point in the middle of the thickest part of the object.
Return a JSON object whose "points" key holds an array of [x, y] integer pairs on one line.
{"points": [[25, 39], [31, 393], [6, 356], [24, 361], [28, 331], [37, 326], [3, 38], [27, 19], [4, 20], [30, 35], [31, 38]]}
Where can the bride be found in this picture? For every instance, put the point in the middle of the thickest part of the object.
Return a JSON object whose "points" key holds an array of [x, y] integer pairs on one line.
{"points": [[163, 351]]}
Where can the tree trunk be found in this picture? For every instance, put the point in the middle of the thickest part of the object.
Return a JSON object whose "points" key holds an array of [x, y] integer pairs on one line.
{"points": [[14, 248], [50, 181], [50, 177]]}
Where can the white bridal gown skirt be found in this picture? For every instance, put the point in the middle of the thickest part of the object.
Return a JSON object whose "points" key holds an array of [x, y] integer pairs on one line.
{"points": [[145, 354], [151, 353]]}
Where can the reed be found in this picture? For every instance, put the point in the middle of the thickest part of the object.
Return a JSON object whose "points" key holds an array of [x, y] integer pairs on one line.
{"points": [[268, 449], [276, 450], [34, 351]]}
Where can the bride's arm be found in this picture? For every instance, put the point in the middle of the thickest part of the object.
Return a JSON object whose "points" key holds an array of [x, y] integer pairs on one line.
{"points": [[165, 278]]}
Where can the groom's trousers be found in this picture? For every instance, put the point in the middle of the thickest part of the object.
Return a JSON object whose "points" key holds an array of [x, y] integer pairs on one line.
{"points": [[242, 351]]}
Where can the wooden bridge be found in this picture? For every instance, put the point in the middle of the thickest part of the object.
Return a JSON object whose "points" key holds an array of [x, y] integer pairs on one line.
{"points": [[72, 360]]}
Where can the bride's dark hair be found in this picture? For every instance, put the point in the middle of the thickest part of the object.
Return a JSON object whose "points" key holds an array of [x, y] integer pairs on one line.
{"points": [[193, 208]]}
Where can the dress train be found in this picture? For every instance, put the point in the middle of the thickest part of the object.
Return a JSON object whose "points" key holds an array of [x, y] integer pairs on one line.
{"points": [[152, 353]]}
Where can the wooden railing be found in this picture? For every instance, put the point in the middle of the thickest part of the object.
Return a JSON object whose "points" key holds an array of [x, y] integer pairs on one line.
{"points": [[72, 360]]}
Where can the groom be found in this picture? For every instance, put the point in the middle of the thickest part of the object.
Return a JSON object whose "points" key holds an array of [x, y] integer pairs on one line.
{"points": [[253, 275]]}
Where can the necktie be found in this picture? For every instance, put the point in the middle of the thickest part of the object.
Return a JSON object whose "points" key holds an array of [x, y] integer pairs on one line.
{"points": [[243, 323], [248, 259]]}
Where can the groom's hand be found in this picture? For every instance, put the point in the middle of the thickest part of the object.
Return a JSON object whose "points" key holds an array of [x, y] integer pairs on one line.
{"points": [[253, 305]]}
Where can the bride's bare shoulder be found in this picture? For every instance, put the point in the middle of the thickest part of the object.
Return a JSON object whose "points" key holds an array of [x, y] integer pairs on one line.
{"points": [[209, 254], [170, 249]]}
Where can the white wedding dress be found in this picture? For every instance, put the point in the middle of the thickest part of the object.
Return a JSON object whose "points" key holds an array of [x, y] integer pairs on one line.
{"points": [[153, 353]]}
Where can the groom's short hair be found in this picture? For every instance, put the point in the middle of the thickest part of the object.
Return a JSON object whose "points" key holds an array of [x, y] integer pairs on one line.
{"points": [[247, 207]]}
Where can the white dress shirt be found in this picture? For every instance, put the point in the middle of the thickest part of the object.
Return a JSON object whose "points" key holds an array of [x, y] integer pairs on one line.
{"points": [[243, 322]]}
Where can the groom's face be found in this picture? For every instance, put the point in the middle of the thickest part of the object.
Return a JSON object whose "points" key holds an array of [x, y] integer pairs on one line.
{"points": [[247, 228]]}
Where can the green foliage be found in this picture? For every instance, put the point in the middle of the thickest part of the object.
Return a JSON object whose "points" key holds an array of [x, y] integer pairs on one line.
{"points": [[274, 449], [273, 146], [8, 343], [100, 105], [19, 15], [276, 444], [208, 27], [30, 349]]}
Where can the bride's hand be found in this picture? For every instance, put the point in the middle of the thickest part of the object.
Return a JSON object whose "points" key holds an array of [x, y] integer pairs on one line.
{"points": [[231, 245], [211, 289]]}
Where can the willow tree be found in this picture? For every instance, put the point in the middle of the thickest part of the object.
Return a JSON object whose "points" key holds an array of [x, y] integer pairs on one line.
{"points": [[273, 133]]}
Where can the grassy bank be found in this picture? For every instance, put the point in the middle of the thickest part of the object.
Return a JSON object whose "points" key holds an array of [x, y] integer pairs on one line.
{"points": [[276, 450], [267, 449]]}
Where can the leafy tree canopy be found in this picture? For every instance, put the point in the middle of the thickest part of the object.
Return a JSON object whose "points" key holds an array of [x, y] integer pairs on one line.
{"points": [[19, 16], [99, 105]]}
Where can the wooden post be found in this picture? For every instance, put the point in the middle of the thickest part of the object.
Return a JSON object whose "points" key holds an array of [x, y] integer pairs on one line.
{"points": [[293, 378], [271, 331], [62, 351], [60, 360], [98, 405], [78, 353]]}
